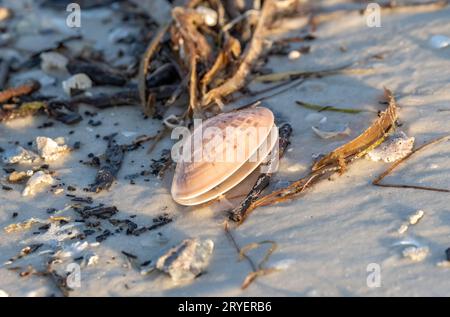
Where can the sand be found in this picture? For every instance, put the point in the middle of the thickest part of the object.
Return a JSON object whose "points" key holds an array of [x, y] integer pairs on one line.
{"points": [[327, 238]]}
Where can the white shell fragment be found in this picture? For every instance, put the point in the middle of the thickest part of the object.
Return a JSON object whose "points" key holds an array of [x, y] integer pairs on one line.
{"points": [[403, 228], [52, 62], [19, 155], [416, 254], [48, 149], [36, 183], [3, 293], [395, 148], [187, 260], [413, 219], [76, 82], [439, 41], [294, 55], [342, 132], [209, 15]]}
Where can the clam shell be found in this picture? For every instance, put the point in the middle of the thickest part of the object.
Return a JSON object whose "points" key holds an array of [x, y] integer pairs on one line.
{"points": [[226, 156]]}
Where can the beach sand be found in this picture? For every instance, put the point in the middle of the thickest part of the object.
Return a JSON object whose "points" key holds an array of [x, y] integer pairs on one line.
{"points": [[328, 238]]}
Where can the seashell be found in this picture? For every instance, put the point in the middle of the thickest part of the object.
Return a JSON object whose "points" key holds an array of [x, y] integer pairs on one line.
{"points": [[221, 153]]}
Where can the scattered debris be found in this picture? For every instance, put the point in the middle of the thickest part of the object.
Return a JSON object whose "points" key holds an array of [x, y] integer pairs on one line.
{"points": [[37, 182], [396, 147], [110, 167], [78, 82], [49, 150], [18, 177], [187, 260], [416, 254], [16, 227], [19, 155], [25, 252], [100, 211], [337, 160], [439, 41]]}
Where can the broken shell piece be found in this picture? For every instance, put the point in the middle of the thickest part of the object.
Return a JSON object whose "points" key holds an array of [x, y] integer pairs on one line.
{"points": [[53, 62], [416, 254], [92, 259], [413, 219], [187, 260], [16, 177], [48, 149], [19, 155], [439, 41], [221, 153], [395, 148], [36, 182], [343, 132], [294, 55], [209, 15], [3, 293], [76, 82], [403, 228]]}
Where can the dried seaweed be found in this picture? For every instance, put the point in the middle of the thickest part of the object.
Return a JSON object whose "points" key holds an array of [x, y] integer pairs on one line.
{"points": [[24, 110], [337, 160], [377, 181], [100, 211], [109, 168], [370, 138], [257, 269], [62, 111], [100, 74], [251, 55], [320, 108], [291, 75], [151, 50]]}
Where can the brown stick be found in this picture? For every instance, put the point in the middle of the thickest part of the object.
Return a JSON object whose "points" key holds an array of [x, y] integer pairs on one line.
{"points": [[377, 181], [22, 90]]}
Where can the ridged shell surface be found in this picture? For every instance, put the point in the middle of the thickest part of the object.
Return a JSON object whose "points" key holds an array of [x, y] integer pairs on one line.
{"points": [[219, 148]]}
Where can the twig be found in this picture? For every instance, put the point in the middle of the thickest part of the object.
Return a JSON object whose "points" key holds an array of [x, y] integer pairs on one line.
{"points": [[22, 90], [145, 63], [377, 181]]}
